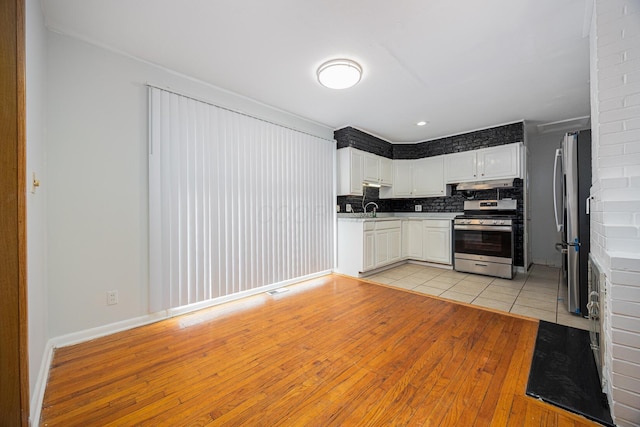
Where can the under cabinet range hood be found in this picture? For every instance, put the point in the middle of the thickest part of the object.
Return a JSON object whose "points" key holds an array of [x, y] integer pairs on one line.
{"points": [[485, 185]]}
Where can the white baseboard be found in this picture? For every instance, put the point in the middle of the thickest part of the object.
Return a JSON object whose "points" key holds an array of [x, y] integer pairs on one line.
{"points": [[100, 331], [228, 298], [399, 263], [37, 397], [431, 264], [547, 262], [111, 328]]}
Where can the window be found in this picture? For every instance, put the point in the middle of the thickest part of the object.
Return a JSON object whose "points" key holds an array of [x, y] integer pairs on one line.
{"points": [[235, 203]]}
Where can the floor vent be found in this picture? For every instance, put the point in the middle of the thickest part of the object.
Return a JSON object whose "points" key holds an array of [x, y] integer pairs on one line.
{"points": [[277, 291]]}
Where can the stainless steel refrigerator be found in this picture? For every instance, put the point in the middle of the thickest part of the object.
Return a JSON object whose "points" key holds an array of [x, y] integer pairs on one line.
{"points": [[571, 187]]}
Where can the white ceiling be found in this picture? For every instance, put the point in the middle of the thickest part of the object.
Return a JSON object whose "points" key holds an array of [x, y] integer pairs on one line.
{"points": [[459, 65]]}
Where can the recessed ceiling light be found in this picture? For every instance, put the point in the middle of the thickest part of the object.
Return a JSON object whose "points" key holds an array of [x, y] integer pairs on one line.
{"points": [[421, 123], [339, 73]]}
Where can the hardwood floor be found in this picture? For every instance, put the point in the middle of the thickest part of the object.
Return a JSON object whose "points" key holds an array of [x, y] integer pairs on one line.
{"points": [[331, 351]]}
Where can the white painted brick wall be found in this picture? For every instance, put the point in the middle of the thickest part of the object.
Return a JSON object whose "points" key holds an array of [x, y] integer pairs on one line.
{"points": [[615, 218]]}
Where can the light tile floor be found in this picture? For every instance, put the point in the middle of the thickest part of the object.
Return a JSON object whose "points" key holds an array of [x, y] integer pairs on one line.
{"points": [[538, 293]]}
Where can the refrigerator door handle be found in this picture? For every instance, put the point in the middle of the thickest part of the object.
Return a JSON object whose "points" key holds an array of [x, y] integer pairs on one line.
{"points": [[588, 204], [555, 187]]}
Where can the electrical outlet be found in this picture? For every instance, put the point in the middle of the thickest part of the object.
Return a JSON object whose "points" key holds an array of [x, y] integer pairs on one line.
{"points": [[349, 207], [418, 208], [112, 297], [337, 208]]}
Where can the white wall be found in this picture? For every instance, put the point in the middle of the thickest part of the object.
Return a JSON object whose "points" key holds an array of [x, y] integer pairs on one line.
{"points": [[36, 69], [615, 219], [543, 234], [97, 172]]}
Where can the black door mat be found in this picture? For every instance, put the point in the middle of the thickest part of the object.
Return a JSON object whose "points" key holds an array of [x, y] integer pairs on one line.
{"points": [[564, 373]]}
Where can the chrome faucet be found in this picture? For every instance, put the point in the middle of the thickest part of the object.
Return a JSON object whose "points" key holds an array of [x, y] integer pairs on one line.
{"points": [[375, 208]]}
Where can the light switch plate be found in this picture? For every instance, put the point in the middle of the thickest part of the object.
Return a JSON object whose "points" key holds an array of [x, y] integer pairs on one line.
{"points": [[349, 207], [418, 208], [337, 208]]}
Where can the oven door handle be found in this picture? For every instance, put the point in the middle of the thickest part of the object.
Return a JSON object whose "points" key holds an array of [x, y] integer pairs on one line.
{"points": [[507, 228]]}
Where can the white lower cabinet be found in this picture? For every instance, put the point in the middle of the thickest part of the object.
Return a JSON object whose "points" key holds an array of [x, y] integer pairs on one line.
{"points": [[388, 242], [369, 260], [436, 239], [367, 245], [381, 248], [412, 239], [427, 240]]}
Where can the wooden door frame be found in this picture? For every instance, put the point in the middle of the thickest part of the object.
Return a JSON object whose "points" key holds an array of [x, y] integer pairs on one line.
{"points": [[14, 372]]}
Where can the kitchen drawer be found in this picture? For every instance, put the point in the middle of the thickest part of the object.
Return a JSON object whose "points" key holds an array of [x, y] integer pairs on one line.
{"points": [[437, 223], [369, 225], [386, 225]]}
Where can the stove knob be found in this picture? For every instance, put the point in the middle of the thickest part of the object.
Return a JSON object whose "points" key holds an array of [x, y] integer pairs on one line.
{"points": [[481, 221]]}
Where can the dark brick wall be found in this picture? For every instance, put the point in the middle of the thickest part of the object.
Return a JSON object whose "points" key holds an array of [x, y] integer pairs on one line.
{"points": [[372, 194], [506, 134], [491, 137], [350, 137]]}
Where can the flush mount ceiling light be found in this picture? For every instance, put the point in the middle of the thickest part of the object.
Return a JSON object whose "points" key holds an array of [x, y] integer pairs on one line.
{"points": [[339, 73], [421, 123]]}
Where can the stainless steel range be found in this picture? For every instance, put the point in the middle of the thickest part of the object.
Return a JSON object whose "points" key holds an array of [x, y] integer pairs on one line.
{"points": [[484, 238]]}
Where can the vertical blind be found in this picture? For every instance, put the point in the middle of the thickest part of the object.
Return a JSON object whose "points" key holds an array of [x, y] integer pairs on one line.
{"points": [[235, 203]]}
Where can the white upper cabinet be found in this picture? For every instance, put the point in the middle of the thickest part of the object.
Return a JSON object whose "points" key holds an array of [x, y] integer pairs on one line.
{"points": [[402, 181], [377, 169], [356, 167], [350, 165], [428, 177], [460, 167], [498, 162], [386, 171], [417, 178], [371, 168]]}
